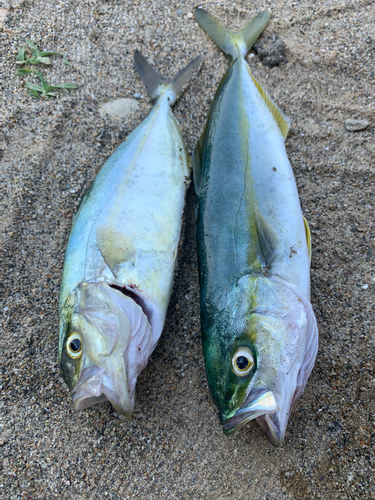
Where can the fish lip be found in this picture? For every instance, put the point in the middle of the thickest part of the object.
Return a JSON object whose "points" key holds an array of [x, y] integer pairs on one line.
{"points": [[274, 431], [260, 402], [92, 389]]}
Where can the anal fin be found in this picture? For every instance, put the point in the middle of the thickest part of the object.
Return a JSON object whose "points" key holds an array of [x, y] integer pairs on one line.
{"points": [[308, 236]]}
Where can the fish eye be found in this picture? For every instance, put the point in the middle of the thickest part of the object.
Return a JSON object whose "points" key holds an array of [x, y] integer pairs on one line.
{"points": [[242, 362], [74, 345]]}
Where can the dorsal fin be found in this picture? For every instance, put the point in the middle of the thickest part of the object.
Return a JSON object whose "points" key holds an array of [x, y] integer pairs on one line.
{"points": [[282, 121]]}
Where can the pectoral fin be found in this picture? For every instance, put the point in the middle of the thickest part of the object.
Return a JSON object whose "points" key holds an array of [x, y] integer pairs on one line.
{"points": [[115, 247], [269, 242]]}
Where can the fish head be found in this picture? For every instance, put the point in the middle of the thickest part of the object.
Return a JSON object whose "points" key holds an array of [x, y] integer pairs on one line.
{"points": [[259, 370], [105, 343]]}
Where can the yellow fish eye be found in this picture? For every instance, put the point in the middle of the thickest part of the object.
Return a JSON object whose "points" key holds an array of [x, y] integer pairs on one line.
{"points": [[242, 362], [74, 346]]}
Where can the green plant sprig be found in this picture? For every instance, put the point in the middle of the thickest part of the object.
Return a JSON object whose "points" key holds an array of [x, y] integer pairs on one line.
{"points": [[36, 57], [45, 90]]}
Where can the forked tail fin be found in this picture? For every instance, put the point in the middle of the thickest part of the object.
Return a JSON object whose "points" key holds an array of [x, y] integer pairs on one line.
{"points": [[236, 44], [157, 84], [233, 43]]}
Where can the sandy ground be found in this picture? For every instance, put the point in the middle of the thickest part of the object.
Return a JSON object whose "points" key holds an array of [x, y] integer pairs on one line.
{"points": [[174, 446]]}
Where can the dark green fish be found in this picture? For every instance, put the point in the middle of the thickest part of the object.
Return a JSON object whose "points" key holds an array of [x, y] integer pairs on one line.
{"points": [[259, 331]]}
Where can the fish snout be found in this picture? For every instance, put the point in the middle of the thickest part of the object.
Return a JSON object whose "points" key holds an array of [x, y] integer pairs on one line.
{"points": [[226, 414]]}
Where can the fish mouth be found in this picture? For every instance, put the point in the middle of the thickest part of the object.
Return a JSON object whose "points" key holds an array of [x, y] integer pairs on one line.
{"points": [[95, 386], [262, 402]]}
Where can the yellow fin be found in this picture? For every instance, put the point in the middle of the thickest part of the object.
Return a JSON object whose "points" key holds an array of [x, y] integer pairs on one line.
{"points": [[282, 121], [115, 247], [308, 236]]}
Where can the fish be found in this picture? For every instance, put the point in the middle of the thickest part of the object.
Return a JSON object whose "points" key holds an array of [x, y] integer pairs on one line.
{"points": [[121, 253], [259, 331]]}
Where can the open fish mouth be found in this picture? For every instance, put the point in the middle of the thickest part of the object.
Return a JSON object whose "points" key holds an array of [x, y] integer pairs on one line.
{"points": [[95, 386], [262, 402]]}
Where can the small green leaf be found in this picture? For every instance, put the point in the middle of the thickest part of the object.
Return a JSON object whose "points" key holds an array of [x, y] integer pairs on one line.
{"points": [[32, 45], [48, 88], [22, 62], [40, 76], [43, 54], [21, 55], [67, 86], [50, 94], [33, 86], [43, 60], [33, 93], [23, 71]]}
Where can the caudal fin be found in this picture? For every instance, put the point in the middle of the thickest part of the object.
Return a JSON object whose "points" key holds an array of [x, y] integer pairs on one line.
{"points": [[233, 43], [237, 44], [157, 84]]}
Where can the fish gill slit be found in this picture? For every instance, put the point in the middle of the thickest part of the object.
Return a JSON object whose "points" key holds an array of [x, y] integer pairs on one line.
{"points": [[136, 298]]}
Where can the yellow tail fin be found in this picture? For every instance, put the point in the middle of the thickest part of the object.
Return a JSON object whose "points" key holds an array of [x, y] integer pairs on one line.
{"points": [[233, 42]]}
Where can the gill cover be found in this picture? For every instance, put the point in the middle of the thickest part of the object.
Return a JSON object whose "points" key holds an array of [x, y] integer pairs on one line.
{"points": [[114, 340]]}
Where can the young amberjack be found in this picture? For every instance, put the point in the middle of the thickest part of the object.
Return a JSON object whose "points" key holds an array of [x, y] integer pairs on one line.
{"points": [[121, 254], [259, 331]]}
